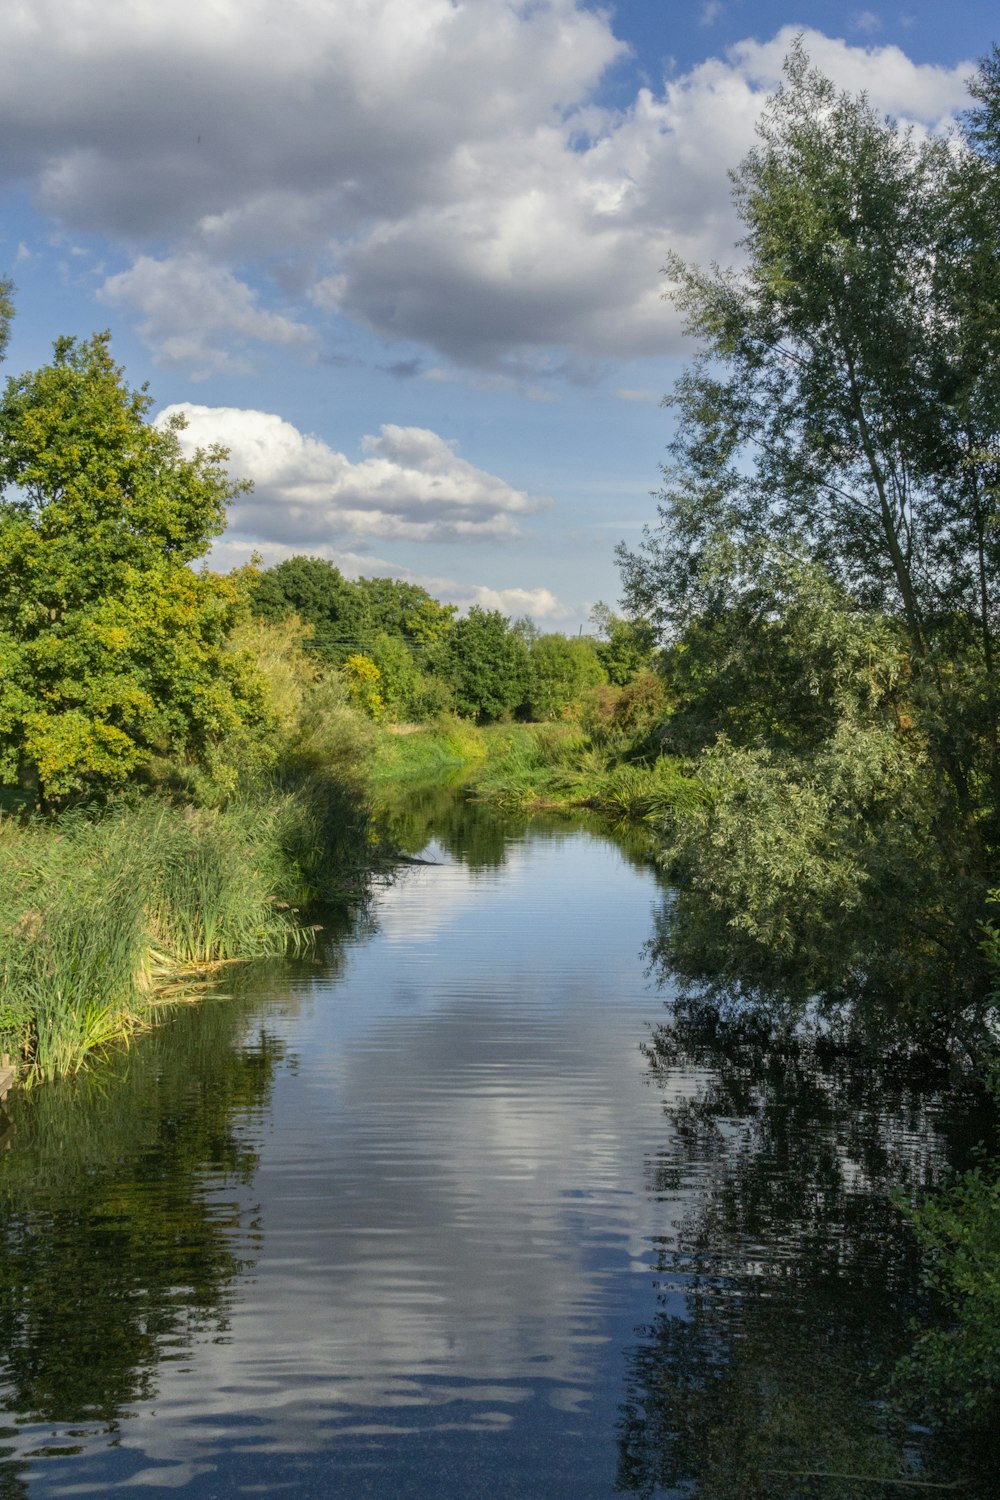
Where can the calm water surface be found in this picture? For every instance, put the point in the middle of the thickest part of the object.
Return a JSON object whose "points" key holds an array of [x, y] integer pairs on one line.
{"points": [[439, 1214]]}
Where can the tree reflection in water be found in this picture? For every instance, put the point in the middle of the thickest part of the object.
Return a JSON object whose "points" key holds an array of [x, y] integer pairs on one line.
{"points": [[123, 1224], [787, 1295]]}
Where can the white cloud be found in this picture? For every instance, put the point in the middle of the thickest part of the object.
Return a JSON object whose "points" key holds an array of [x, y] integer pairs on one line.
{"points": [[192, 313], [437, 172], [645, 394], [540, 604], [411, 485], [866, 21], [710, 12]]}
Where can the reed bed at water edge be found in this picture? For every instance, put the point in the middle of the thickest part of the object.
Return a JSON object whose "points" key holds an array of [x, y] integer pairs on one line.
{"points": [[99, 914]]}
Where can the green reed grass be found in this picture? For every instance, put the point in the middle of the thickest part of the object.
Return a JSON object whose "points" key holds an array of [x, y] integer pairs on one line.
{"points": [[96, 912], [446, 746]]}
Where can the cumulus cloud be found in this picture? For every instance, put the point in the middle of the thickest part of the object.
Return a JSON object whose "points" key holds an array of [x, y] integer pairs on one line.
{"points": [[540, 604], [440, 173], [193, 313], [411, 485]]}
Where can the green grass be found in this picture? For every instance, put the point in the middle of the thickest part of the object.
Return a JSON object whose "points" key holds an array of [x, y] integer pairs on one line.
{"points": [[98, 913], [446, 747], [558, 765]]}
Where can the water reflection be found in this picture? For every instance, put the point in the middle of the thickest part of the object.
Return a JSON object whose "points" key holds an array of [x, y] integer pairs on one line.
{"points": [[370, 1224], [121, 1204], [786, 1294], [421, 1218]]}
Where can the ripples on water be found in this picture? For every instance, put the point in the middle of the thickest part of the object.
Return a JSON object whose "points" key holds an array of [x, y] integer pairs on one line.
{"points": [[440, 1215]]}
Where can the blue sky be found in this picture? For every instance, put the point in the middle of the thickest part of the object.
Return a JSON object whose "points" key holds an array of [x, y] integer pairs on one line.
{"points": [[403, 256]]}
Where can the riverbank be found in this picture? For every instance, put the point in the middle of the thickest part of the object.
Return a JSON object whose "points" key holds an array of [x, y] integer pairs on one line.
{"points": [[107, 916], [108, 911], [538, 766]]}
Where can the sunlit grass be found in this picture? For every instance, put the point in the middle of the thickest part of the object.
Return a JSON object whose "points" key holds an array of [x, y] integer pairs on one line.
{"points": [[98, 915]]}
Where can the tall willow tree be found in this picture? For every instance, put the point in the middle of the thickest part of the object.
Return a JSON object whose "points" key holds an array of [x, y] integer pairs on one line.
{"points": [[826, 563], [846, 400]]}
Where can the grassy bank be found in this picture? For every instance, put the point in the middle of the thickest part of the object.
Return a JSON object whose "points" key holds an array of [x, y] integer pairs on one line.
{"points": [[105, 916], [409, 753], [560, 765], [536, 765], [106, 909]]}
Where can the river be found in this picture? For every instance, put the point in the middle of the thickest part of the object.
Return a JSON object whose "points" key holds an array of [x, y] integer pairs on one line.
{"points": [[441, 1212]]}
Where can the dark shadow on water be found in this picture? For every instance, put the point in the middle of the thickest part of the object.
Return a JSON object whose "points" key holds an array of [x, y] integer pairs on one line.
{"points": [[788, 1292], [125, 1220]]}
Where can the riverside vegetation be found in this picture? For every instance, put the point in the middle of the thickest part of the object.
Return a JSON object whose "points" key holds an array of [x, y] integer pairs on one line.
{"points": [[800, 702], [189, 761]]}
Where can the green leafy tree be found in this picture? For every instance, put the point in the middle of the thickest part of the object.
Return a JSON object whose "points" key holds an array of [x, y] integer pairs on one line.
{"points": [[405, 610], [846, 395], [322, 597], [487, 665], [364, 685], [626, 646], [563, 668], [825, 569], [400, 677], [112, 649]]}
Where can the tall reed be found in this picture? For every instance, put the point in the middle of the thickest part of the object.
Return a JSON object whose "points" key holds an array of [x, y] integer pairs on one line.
{"points": [[97, 912]]}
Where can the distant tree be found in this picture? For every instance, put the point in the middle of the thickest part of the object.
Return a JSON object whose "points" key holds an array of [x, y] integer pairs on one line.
{"points": [[112, 648], [320, 595], [364, 684], [400, 676], [626, 645], [487, 665], [562, 669], [525, 628], [6, 313], [405, 609]]}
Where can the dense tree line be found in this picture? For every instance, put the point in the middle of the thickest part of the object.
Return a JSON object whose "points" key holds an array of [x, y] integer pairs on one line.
{"points": [[407, 656], [119, 653]]}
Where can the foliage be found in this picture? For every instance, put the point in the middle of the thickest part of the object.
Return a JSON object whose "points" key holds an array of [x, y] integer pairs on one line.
{"points": [[846, 395], [563, 668], [626, 645], [487, 665], [112, 649], [628, 716], [350, 617], [319, 594], [825, 567], [364, 684], [405, 610]]}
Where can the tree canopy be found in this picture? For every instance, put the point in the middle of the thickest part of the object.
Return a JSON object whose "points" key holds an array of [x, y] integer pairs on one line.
{"points": [[112, 648], [825, 568], [487, 664]]}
